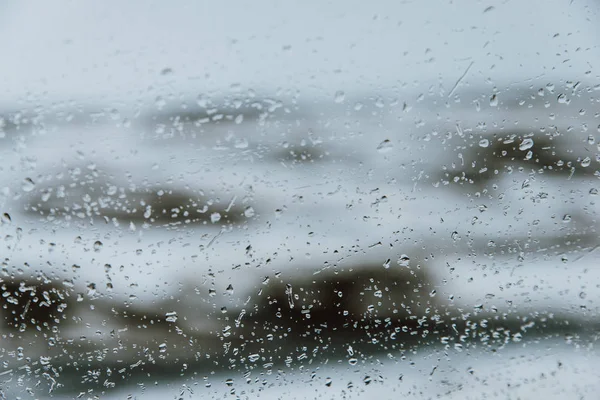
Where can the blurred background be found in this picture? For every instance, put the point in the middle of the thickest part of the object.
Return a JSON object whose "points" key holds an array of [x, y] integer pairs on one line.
{"points": [[299, 200]]}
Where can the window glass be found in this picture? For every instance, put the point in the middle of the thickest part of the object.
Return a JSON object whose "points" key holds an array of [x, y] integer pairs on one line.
{"points": [[299, 199]]}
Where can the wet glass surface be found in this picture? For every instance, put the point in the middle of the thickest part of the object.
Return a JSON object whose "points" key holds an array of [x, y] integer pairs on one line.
{"points": [[299, 200]]}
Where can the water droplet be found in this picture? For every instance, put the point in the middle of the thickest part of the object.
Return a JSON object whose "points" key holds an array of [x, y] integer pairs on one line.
{"points": [[46, 195], [229, 289], [162, 347], [215, 217], [328, 381], [227, 331], [404, 260], [455, 236], [526, 144], [593, 191], [484, 143], [253, 357], [171, 316], [566, 218], [249, 212], [586, 162], [385, 146], [591, 140], [339, 96], [290, 295], [6, 218], [98, 245], [562, 98], [353, 361], [386, 264], [28, 185], [494, 101]]}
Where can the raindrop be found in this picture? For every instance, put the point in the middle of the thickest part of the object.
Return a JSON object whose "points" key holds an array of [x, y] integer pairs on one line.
{"points": [[586, 162], [162, 347], [566, 218], [386, 264], [229, 289], [249, 212], [46, 195], [171, 316], [494, 101], [385, 146], [28, 185], [353, 361], [484, 143], [339, 96], [5, 218], [404, 260], [562, 98], [328, 382], [526, 144], [215, 217], [591, 140], [253, 357], [98, 245], [290, 296], [227, 331], [593, 191]]}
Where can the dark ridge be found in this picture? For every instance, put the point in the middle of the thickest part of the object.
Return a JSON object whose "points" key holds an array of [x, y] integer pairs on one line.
{"points": [[516, 151], [205, 116], [30, 305], [298, 154], [156, 206], [346, 301]]}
